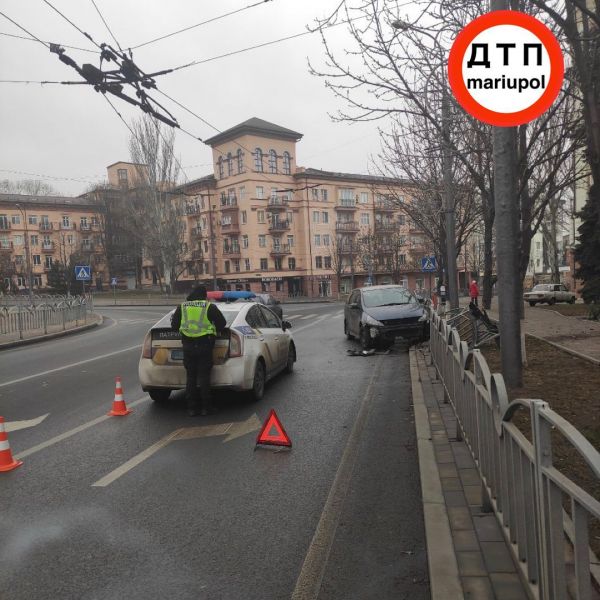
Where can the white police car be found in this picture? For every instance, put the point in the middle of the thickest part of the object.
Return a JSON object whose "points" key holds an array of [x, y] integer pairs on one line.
{"points": [[256, 346]]}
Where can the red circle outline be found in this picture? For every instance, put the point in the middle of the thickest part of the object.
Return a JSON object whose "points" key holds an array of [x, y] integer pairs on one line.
{"points": [[468, 34]]}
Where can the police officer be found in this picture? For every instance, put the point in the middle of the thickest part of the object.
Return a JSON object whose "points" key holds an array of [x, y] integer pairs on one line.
{"points": [[198, 321]]}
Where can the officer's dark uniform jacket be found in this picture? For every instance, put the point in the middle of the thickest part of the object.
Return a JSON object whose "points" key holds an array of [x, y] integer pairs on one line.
{"points": [[197, 321]]}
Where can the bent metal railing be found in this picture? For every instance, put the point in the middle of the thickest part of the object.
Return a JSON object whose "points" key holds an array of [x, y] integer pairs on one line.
{"points": [[44, 316], [544, 515]]}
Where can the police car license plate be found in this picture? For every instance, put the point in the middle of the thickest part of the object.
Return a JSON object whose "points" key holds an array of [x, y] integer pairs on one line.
{"points": [[177, 354]]}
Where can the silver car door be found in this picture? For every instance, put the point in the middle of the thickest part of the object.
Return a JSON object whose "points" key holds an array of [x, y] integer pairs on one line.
{"points": [[276, 333]]}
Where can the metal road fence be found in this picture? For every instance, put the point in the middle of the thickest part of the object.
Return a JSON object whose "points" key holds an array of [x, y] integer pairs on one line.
{"points": [[545, 516], [51, 311]]}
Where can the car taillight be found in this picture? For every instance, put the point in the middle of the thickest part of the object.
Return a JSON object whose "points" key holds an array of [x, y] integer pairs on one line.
{"points": [[235, 344], [147, 347]]}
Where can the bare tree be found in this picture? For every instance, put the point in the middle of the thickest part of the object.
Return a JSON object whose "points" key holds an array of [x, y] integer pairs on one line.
{"points": [[157, 212], [30, 187], [339, 251]]}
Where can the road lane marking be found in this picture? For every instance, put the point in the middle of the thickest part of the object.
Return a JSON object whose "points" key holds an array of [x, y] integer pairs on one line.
{"points": [[232, 430], [81, 362], [72, 432], [316, 322], [16, 425], [308, 316], [308, 584], [292, 317]]}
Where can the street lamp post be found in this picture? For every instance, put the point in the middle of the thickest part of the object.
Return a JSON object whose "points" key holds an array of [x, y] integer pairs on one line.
{"points": [[23, 212], [451, 272]]}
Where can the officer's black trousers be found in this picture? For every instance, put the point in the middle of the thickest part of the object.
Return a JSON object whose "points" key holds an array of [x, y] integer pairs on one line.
{"points": [[197, 360]]}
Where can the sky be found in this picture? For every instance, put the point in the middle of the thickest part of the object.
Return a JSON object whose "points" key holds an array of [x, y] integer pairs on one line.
{"points": [[68, 135]]}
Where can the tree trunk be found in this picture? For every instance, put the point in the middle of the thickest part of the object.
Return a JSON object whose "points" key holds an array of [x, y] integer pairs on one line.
{"points": [[488, 263]]}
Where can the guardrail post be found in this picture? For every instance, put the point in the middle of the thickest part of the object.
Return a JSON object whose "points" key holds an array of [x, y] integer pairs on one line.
{"points": [[20, 322], [45, 319], [62, 312]]}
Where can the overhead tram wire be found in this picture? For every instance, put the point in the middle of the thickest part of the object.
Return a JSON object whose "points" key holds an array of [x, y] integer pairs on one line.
{"points": [[84, 33], [25, 30], [31, 39], [168, 35], [106, 25]]}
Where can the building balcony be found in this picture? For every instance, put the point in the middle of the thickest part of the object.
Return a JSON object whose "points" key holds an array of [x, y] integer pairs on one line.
{"points": [[6, 246], [277, 203], [192, 209], [230, 228], [346, 226], [48, 247], [346, 204], [196, 232], [281, 250], [85, 227], [229, 203], [4, 226], [279, 226], [232, 252], [386, 226], [197, 255], [46, 226], [347, 249], [69, 227], [385, 206]]}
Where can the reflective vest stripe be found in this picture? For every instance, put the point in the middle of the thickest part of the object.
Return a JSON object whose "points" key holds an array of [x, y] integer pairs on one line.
{"points": [[194, 322]]}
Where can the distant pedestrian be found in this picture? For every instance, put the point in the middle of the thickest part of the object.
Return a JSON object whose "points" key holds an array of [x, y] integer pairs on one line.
{"points": [[199, 321], [474, 293]]}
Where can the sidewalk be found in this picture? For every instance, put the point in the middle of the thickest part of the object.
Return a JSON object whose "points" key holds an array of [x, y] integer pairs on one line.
{"points": [[467, 553], [30, 336], [575, 334]]}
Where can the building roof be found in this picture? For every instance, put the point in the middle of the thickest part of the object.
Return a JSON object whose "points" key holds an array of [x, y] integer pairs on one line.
{"points": [[126, 162], [320, 174], [254, 126], [54, 201], [206, 179]]}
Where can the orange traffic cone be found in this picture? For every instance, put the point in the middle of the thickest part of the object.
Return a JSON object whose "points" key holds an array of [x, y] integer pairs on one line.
{"points": [[118, 408], [7, 462]]}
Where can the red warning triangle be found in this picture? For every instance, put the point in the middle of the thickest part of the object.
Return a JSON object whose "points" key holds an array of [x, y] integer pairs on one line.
{"points": [[273, 433]]}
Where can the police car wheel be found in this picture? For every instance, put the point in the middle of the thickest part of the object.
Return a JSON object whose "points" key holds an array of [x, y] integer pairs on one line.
{"points": [[258, 384]]}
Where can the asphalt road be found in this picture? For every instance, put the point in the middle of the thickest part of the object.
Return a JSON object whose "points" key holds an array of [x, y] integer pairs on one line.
{"points": [[337, 517]]}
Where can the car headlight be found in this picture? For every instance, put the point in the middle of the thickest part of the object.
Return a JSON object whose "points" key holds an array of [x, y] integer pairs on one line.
{"points": [[368, 320], [423, 317]]}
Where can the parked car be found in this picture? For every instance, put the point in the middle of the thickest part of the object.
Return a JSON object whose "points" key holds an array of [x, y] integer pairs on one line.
{"points": [[255, 346], [378, 314], [549, 293], [267, 300]]}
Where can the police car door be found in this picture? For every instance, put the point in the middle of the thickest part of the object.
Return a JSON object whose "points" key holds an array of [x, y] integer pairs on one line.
{"points": [[266, 337], [279, 336]]}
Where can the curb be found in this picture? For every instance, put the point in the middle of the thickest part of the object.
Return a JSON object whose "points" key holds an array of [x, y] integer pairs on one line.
{"points": [[443, 567], [51, 336], [594, 361]]}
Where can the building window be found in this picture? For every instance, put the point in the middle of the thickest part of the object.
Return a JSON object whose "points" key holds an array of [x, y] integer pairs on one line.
{"points": [[364, 197], [319, 262], [66, 222], [21, 281], [326, 239], [272, 161], [325, 218], [292, 264], [317, 239], [4, 223], [37, 280], [236, 265], [264, 264], [260, 192], [277, 261], [37, 260], [242, 193], [229, 164], [315, 194], [328, 262], [401, 220], [260, 215], [18, 259], [287, 168], [70, 240], [18, 240], [122, 175], [247, 264], [290, 241], [290, 217], [205, 246], [48, 262], [346, 194], [262, 241], [240, 161], [220, 167], [244, 217], [244, 241], [315, 216], [364, 218], [227, 267], [258, 160], [15, 220], [85, 242], [324, 195], [35, 240]]}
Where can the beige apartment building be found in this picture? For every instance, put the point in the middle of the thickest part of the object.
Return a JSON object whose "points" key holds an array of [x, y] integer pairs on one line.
{"points": [[37, 231], [262, 223]]}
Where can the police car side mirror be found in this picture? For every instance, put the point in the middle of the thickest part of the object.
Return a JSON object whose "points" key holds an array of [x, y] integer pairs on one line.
{"points": [[286, 325]]}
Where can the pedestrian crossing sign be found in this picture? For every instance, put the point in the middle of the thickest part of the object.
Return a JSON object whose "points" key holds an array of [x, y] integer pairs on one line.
{"points": [[83, 273], [429, 263]]}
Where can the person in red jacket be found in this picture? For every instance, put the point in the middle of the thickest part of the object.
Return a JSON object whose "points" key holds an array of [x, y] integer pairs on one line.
{"points": [[474, 292]]}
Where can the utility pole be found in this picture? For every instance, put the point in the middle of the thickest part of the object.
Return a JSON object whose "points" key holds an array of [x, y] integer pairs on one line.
{"points": [[507, 244], [23, 212], [213, 258], [451, 274]]}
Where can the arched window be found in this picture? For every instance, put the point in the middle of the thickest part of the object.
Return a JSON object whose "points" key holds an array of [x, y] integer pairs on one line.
{"points": [[220, 167], [272, 161], [229, 164], [258, 160], [240, 161], [287, 169]]}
